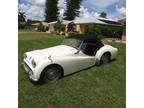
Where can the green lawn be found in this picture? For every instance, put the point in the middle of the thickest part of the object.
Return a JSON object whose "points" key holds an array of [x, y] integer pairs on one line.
{"points": [[97, 87], [26, 30]]}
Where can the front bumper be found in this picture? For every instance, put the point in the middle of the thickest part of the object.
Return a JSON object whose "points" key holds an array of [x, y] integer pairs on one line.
{"points": [[29, 72]]}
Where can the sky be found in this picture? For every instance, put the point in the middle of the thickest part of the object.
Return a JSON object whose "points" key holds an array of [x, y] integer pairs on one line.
{"points": [[115, 9]]}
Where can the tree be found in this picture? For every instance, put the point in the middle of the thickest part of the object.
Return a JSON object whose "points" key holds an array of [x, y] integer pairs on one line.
{"points": [[59, 27], [21, 17], [51, 10], [103, 15], [28, 24], [72, 9], [94, 29], [71, 27], [41, 28], [102, 31]]}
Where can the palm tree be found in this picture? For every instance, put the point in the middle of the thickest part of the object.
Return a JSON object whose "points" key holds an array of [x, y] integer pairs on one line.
{"points": [[21, 17]]}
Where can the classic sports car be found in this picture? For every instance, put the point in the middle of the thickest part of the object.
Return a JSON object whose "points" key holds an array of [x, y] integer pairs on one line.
{"points": [[74, 54]]}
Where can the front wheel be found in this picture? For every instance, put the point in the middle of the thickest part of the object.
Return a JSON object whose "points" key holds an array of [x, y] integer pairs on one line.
{"points": [[105, 59], [51, 74]]}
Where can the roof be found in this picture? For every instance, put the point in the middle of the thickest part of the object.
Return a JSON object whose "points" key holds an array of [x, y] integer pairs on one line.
{"points": [[112, 23], [87, 38], [122, 20], [108, 19], [44, 23], [66, 22], [52, 22], [88, 21], [35, 24], [63, 22]]}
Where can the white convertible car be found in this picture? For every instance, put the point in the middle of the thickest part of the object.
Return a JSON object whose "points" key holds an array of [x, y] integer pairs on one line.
{"points": [[74, 54]]}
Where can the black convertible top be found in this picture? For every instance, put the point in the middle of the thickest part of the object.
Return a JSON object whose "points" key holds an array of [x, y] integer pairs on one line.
{"points": [[87, 38]]}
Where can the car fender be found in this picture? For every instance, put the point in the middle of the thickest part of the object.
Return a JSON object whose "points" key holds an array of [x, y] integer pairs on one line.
{"points": [[104, 49], [65, 63], [40, 67]]}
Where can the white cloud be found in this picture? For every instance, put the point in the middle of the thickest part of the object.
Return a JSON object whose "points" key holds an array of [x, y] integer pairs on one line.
{"points": [[102, 3], [62, 7], [121, 11], [37, 2], [62, 4], [22, 7], [34, 9], [33, 12], [85, 13]]}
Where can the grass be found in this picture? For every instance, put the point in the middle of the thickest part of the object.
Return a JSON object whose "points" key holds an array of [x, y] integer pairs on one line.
{"points": [[26, 30], [97, 87]]}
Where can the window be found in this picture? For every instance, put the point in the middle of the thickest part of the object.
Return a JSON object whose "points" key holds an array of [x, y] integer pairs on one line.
{"points": [[75, 43], [89, 49]]}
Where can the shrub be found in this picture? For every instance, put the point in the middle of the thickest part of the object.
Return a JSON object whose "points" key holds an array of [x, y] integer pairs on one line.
{"points": [[102, 31], [41, 28], [73, 33], [71, 27], [21, 25], [93, 29], [28, 24], [59, 27]]}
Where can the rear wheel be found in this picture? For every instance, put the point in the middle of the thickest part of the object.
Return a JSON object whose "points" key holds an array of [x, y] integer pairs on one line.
{"points": [[105, 59], [51, 74]]}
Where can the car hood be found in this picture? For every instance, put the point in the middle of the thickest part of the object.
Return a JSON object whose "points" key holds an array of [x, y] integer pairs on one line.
{"points": [[57, 51]]}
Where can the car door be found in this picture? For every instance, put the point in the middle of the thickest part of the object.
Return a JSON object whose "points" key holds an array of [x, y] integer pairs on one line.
{"points": [[79, 61], [86, 57], [83, 61]]}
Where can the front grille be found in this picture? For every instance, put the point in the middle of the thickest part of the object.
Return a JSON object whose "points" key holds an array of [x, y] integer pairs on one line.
{"points": [[25, 56], [27, 68]]}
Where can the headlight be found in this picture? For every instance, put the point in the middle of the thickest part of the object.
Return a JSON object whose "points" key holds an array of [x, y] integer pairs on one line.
{"points": [[33, 63]]}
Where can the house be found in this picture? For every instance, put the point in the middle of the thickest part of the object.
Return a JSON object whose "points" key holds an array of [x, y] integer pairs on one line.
{"points": [[35, 26], [79, 24], [123, 22], [51, 27]]}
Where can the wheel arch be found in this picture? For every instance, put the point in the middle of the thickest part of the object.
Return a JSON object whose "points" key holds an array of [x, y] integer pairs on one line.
{"points": [[57, 65], [101, 53], [105, 49], [107, 52], [98, 59]]}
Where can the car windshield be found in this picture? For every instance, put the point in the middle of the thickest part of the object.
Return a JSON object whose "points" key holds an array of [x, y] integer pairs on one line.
{"points": [[75, 43]]}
